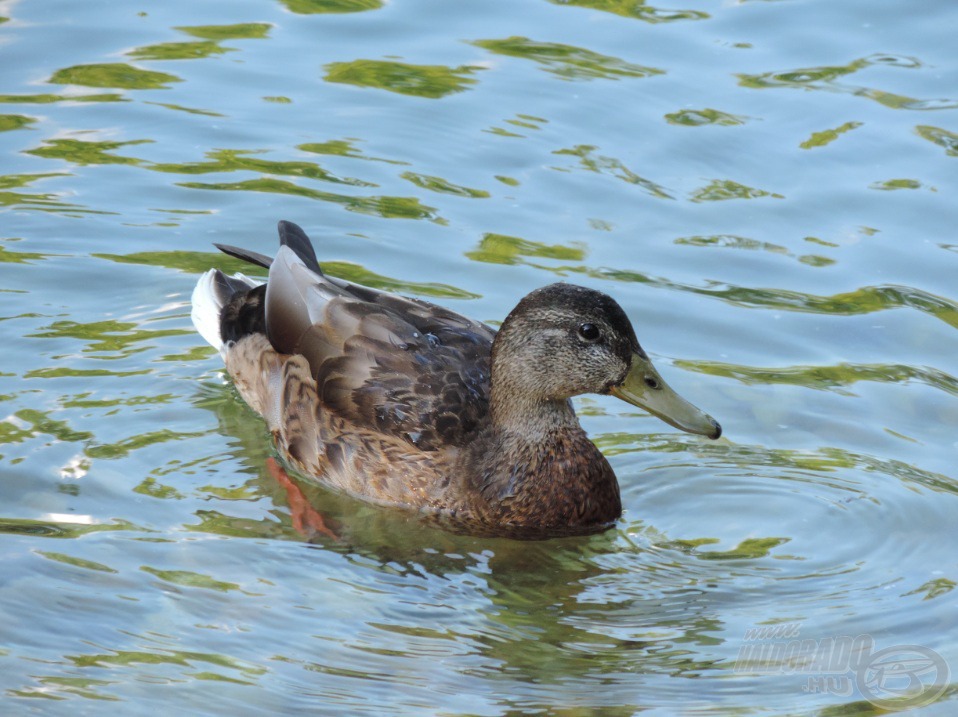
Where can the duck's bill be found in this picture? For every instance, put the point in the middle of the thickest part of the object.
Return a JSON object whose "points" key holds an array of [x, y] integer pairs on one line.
{"points": [[643, 387]]}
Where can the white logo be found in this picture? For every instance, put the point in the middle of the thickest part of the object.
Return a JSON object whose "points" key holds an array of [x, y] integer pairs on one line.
{"points": [[901, 676]]}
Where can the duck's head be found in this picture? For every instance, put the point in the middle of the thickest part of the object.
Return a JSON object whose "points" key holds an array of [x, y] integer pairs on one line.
{"points": [[564, 340]]}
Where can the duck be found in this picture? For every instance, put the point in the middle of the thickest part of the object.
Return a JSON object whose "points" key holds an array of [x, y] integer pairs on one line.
{"points": [[404, 403]]}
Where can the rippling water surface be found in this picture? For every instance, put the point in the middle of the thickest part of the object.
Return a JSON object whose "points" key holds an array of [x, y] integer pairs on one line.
{"points": [[768, 188]]}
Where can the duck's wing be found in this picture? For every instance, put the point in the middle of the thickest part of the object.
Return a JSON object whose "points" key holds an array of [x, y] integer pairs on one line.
{"points": [[401, 366]]}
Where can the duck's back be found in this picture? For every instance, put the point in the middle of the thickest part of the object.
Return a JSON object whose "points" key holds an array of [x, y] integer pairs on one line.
{"points": [[381, 364], [400, 366]]}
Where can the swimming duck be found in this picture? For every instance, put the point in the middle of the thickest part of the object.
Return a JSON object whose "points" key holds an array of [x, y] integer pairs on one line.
{"points": [[405, 403]]}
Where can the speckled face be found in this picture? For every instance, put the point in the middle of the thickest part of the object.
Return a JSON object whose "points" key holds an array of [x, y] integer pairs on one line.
{"points": [[564, 340]]}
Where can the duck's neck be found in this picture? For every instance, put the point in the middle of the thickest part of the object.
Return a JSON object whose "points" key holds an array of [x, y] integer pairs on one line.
{"points": [[534, 419]]}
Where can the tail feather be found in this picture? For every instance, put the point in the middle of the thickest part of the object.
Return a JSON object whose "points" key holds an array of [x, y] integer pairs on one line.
{"points": [[253, 257]]}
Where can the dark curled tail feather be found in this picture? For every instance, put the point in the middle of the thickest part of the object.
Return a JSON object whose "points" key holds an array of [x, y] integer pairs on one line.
{"points": [[253, 257]]}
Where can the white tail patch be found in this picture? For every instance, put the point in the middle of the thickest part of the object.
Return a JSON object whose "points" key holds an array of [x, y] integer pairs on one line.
{"points": [[208, 302]]}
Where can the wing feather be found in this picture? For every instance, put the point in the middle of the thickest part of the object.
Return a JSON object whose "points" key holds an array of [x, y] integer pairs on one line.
{"points": [[404, 366]]}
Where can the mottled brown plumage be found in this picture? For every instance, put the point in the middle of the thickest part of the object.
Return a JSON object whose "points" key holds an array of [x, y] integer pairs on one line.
{"points": [[405, 403]]}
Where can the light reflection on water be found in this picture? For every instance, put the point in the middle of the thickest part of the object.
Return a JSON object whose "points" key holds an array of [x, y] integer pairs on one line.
{"points": [[775, 211]]}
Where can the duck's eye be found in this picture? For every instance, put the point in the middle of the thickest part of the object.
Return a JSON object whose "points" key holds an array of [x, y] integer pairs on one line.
{"points": [[589, 333]]}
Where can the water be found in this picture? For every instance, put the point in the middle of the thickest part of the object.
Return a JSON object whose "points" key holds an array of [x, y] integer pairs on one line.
{"points": [[768, 188]]}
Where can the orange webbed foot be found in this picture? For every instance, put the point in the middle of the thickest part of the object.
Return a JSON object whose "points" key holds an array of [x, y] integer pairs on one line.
{"points": [[307, 521]]}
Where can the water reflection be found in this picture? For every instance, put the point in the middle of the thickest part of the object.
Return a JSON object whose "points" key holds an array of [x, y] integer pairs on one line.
{"points": [[566, 61], [11, 122], [523, 121], [864, 300], [46, 98], [380, 206], [221, 161], [310, 7], [179, 51], [941, 137], [730, 241], [124, 447], [697, 118], [8, 256], [159, 657], [496, 248], [343, 148], [231, 160], [602, 164], [830, 378], [76, 562], [827, 78], [503, 249], [207, 44], [636, 9], [28, 423], [892, 184], [720, 190], [118, 75], [46, 202], [111, 339], [188, 110], [443, 186], [238, 31], [836, 469], [187, 578], [825, 137], [66, 527], [429, 81], [83, 152]]}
